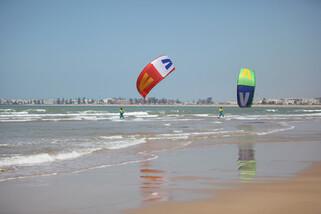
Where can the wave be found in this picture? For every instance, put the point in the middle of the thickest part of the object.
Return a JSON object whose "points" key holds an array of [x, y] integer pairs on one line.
{"points": [[271, 110], [7, 110], [123, 143], [150, 158], [275, 131], [271, 117], [106, 142], [140, 114], [153, 157], [179, 135], [170, 137], [106, 113], [173, 115], [31, 115], [11, 120], [188, 119], [28, 176], [201, 115], [36, 110], [308, 110], [13, 113], [18, 160], [112, 137]]}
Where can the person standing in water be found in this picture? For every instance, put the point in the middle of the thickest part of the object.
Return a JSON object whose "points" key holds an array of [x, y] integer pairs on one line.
{"points": [[121, 113], [220, 112]]}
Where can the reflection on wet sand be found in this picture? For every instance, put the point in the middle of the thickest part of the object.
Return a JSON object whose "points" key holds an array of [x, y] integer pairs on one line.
{"points": [[246, 162], [152, 181]]}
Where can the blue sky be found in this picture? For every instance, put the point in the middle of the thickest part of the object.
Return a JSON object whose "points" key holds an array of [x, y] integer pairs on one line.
{"points": [[98, 48]]}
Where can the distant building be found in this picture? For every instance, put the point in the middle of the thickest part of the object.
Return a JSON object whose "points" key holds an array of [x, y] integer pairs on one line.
{"points": [[49, 101]]}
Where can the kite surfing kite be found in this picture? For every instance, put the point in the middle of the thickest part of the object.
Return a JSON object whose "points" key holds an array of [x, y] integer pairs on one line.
{"points": [[245, 87], [153, 73]]}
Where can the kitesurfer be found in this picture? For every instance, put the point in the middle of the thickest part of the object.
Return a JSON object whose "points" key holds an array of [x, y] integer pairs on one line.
{"points": [[121, 113], [220, 112]]}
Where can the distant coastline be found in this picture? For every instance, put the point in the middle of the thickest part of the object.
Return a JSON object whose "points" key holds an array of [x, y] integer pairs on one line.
{"points": [[170, 105], [152, 101]]}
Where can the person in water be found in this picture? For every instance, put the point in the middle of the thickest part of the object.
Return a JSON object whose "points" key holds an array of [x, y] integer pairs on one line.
{"points": [[121, 113], [220, 112]]}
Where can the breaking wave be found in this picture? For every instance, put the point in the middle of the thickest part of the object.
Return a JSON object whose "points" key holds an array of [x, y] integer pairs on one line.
{"points": [[275, 131], [18, 160]]}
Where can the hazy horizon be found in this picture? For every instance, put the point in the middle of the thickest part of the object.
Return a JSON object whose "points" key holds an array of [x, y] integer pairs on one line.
{"points": [[97, 49]]}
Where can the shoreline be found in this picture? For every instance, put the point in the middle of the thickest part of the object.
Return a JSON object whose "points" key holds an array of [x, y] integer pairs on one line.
{"points": [[299, 194], [158, 105]]}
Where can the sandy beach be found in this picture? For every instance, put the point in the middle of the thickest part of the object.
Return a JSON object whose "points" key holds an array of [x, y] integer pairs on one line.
{"points": [[301, 194]]}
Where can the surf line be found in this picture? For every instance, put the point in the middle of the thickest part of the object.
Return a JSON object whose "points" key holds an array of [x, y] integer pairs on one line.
{"points": [[275, 131]]}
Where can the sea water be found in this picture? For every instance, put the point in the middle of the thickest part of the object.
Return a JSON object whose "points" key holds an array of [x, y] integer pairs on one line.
{"points": [[51, 140]]}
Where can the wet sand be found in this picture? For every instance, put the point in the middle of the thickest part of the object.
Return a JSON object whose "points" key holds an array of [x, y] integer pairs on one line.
{"points": [[301, 194]]}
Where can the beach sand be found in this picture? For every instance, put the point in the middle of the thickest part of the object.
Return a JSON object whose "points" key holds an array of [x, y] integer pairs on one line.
{"points": [[301, 194]]}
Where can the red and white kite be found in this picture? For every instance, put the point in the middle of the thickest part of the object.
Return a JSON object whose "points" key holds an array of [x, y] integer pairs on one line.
{"points": [[153, 73]]}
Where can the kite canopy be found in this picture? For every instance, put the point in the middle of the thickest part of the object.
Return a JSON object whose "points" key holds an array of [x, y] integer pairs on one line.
{"points": [[153, 73], [245, 87]]}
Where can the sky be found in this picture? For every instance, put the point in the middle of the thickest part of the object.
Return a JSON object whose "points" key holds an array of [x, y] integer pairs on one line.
{"points": [[97, 49]]}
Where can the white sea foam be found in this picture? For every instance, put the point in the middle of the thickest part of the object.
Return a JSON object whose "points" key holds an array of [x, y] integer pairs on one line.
{"points": [[272, 117], [31, 114], [170, 137], [173, 115], [36, 110], [6, 110], [112, 137], [186, 135], [308, 110], [42, 158], [9, 115], [215, 132], [91, 112], [217, 122], [123, 143], [271, 110], [15, 120], [13, 113], [141, 114], [152, 157], [139, 119], [96, 112], [188, 119], [89, 118], [276, 130], [28, 176], [201, 115]]}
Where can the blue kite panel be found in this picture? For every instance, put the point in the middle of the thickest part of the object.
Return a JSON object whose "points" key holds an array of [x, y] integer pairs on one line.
{"points": [[245, 95]]}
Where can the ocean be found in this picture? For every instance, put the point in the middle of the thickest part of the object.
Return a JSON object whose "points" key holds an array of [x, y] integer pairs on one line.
{"points": [[38, 141]]}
